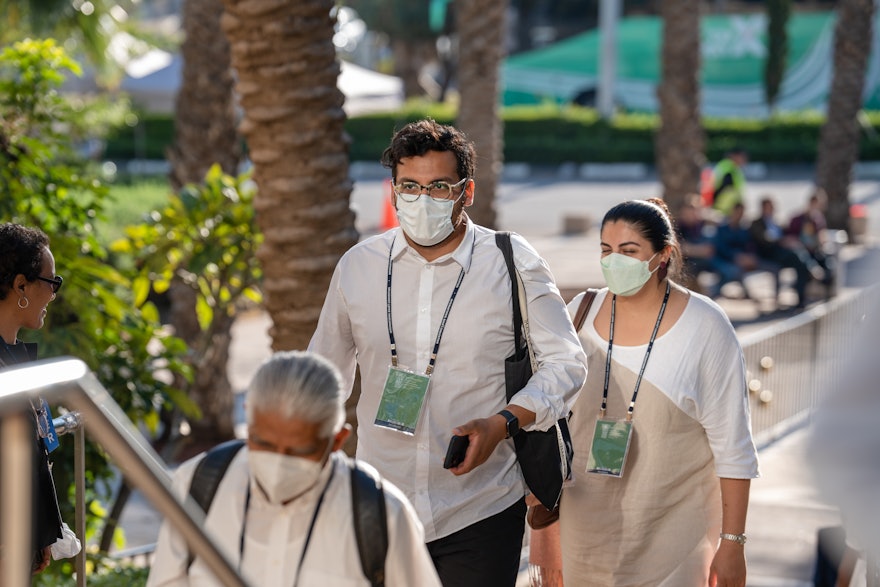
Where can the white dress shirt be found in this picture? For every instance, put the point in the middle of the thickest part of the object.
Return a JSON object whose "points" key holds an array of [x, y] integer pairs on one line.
{"points": [[468, 379], [276, 535]]}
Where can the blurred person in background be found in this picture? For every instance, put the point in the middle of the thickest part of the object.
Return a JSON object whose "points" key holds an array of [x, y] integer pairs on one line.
{"points": [[733, 242], [27, 284], [844, 443], [698, 248], [810, 229], [772, 244], [729, 180]]}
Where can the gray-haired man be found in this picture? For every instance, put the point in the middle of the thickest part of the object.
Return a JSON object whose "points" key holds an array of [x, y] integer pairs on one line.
{"points": [[283, 512]]}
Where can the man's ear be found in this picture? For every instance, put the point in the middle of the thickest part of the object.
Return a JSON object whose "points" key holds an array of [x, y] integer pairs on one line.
{"points": [[341, 436], [469, 192]]}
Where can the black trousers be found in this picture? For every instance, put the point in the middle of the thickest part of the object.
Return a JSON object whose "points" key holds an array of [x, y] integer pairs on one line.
{"points": [[485, 554]]}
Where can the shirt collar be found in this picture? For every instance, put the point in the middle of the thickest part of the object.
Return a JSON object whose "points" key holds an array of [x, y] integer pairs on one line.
{"points": [[463, 254]]}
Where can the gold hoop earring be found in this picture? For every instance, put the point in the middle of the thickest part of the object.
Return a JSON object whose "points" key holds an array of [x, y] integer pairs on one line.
{"points": [[27, 302]]}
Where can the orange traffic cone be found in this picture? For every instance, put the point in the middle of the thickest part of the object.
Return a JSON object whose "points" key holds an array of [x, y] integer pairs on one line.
{"points": [[707, 187], [389, 214]]}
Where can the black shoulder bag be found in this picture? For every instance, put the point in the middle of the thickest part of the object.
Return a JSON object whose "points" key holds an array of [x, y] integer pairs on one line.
{"points": [[544, 456]]}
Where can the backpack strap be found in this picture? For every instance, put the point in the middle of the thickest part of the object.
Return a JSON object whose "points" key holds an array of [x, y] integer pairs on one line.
{"points": [[584, 308], [370, 522], [208, 474], [502, 239]]}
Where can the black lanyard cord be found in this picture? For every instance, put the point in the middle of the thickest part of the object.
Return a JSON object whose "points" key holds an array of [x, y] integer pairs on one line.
{"points": [[632, 403], [434, 351]]}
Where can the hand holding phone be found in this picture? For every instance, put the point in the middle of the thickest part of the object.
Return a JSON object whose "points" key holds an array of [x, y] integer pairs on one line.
{"points": [[458, 446]]}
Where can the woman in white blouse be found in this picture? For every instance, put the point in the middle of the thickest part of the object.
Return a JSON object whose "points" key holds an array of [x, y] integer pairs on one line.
{"points": [[663, 446]]}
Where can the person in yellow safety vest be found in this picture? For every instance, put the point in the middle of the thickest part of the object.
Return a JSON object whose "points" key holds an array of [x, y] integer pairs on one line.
{"points": [[729, 181]]}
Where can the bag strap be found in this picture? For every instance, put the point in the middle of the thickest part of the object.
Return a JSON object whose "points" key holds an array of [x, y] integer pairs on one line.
{"points": [[370, 523], [584, 308], [502, 239], [208, 474]]}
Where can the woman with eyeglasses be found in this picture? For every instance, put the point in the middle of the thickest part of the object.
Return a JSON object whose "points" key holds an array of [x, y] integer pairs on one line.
{"points": [[27, 284]]}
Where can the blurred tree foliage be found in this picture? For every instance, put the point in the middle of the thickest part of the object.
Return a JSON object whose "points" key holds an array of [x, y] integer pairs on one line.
{"points": [[105, 32], [45, 183]]}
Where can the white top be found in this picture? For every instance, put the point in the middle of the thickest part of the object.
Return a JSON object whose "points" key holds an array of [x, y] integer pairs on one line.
{"points": [[703, 374], [276, 535], [468, 380]]}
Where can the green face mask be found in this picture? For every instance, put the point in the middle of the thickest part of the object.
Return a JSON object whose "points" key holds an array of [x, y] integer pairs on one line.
{"points": [[625, 275]]}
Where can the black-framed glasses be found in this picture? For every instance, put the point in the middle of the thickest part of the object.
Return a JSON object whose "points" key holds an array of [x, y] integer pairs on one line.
{"points": [[410, 191], [56, 282]]}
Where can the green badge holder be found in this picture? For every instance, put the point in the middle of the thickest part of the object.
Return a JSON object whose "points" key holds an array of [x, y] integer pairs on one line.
{"points": [[610, 446], [402, 400]]}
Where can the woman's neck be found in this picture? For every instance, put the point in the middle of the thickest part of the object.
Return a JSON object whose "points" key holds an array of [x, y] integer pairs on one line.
{"points": [[9, 333], [648, 298]]}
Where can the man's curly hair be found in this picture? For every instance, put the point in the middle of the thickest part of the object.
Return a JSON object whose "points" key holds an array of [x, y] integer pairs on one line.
{"points": [[417, 138]]}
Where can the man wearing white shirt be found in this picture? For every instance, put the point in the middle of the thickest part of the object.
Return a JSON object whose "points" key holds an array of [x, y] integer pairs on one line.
{"points": [[432, 363], [283, 512]]}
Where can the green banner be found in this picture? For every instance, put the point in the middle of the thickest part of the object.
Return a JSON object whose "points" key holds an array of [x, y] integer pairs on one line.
{"points": [[734, 50]]}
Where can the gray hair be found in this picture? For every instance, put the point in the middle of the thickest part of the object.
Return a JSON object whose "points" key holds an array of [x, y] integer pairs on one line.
{"points": [[299, 384]]}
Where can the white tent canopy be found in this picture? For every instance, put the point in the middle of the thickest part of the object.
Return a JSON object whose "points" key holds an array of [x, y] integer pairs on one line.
{"points": [[153, 80]]}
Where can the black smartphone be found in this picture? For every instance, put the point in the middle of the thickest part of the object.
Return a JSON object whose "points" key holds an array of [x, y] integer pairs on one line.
{"points": [[455, 453]]}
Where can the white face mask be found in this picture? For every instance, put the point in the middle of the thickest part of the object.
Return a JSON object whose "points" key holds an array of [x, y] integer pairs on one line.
{"points": [[625, 275], [426, 221], [282, 477]]}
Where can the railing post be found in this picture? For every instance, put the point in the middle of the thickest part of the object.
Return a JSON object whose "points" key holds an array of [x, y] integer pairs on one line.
{"points": [[71, 423], [16, 446], [79, 481]]}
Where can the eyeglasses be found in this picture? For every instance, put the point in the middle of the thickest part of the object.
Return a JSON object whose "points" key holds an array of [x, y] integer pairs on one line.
{"points": [[56, 282], [410, 191]]}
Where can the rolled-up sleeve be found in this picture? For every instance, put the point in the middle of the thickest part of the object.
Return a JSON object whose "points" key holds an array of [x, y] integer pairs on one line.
{"points": [[560, 358]]}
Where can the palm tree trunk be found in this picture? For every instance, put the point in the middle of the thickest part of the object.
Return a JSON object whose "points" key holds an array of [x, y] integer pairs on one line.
{"points": [[285, 61], [204, 124], [680, 142], [839, 138], [481, 28], [204, 134]]}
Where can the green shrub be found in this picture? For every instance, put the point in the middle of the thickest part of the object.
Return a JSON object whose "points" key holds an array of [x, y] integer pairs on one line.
{"points": [[549, 134]]}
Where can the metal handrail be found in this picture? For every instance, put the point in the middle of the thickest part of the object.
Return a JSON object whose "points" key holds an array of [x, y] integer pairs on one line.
{"points": [[69, 381]]}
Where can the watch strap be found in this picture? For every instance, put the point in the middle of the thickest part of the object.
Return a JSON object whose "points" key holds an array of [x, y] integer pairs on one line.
{"points": [[512, 425]]}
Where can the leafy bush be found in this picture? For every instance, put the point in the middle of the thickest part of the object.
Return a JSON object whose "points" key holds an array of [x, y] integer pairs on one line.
{"points": [[549, 134], [46, 184]]}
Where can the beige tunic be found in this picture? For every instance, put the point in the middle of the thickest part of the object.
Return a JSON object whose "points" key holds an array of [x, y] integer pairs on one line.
{"points": [[659, 524]]}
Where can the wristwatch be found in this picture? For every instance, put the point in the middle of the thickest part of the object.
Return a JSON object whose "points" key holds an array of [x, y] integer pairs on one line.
{"points": [[512, 423], [738, 538]]}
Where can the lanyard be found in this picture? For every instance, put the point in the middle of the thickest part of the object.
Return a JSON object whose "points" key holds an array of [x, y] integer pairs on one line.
{"points": [[302, 556], [632, 403], [430, 368]]}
